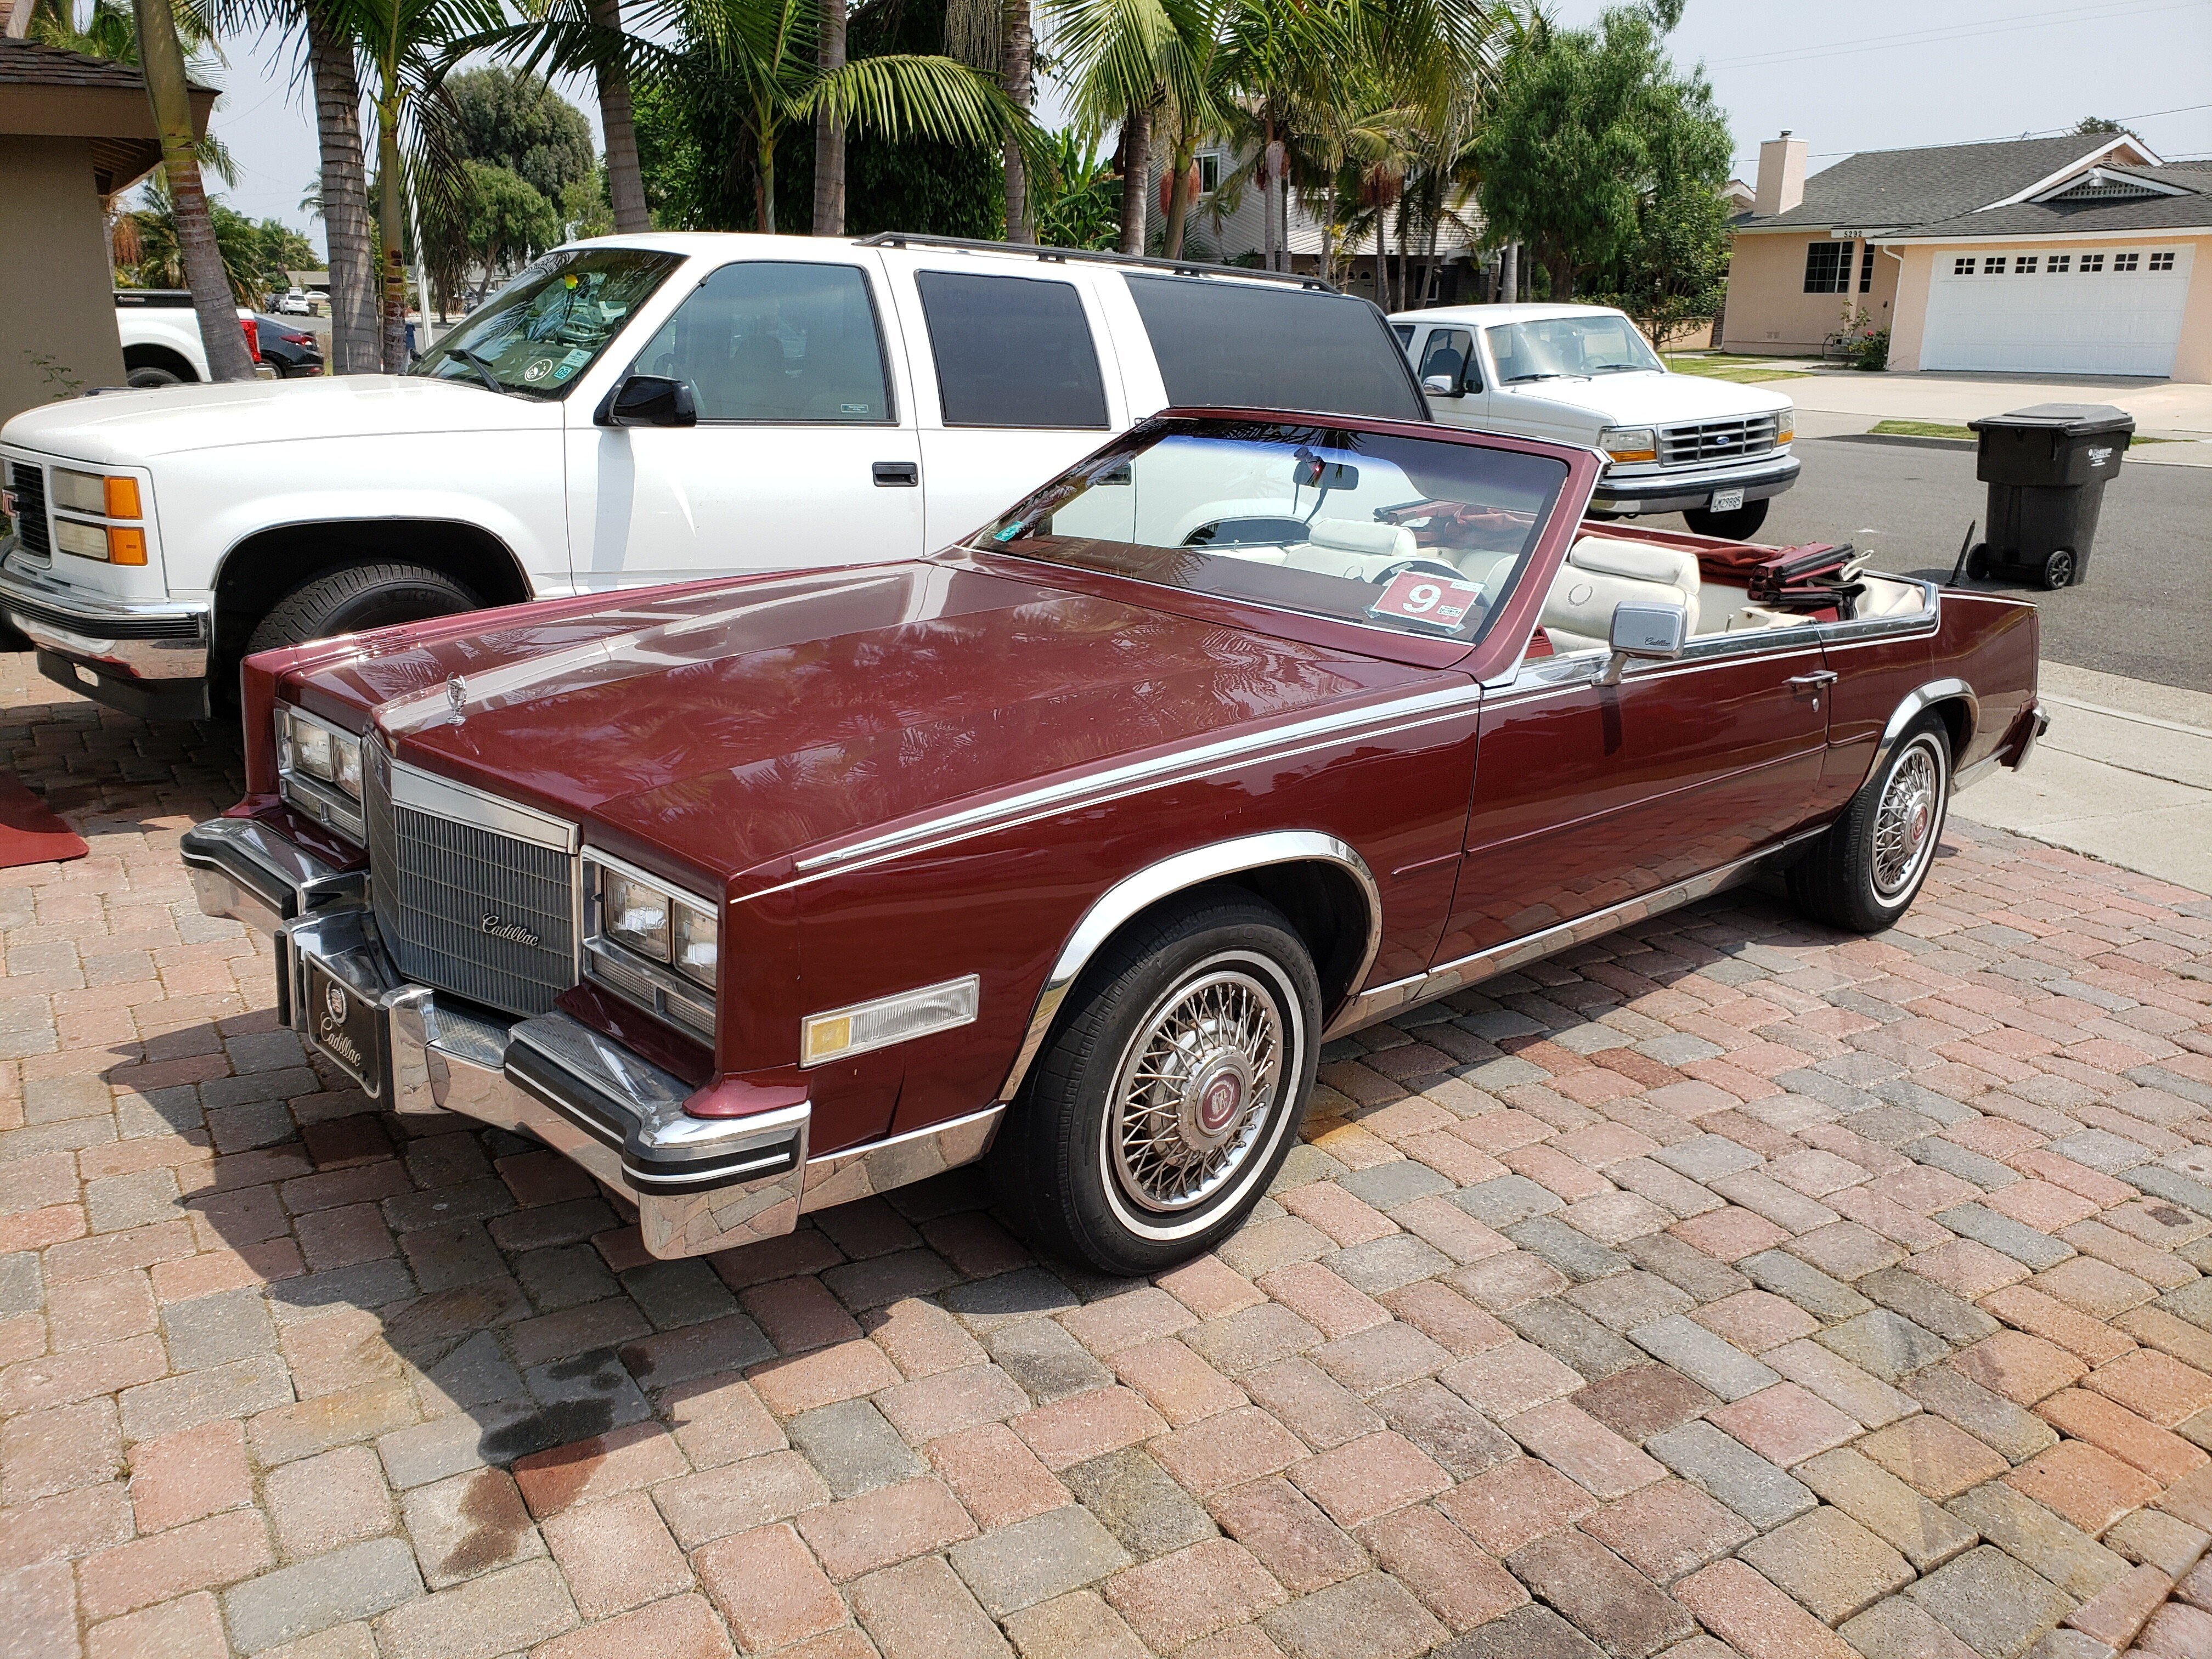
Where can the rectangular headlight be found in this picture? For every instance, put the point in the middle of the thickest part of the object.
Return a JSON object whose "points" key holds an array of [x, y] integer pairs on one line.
{"points": [[86, 541], [843, 1032], [698, 942], [79, 492], [634, 916], [1630, 443], [651, 942], [308, 748]]}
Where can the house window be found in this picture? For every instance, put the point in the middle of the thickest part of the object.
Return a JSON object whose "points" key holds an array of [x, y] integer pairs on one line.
{"points": [[2061, 264], [2162, 262], [1866, 267], [2092, 263], [1962, 267], [2024, 266], [1994, 266], [1209, 174], [2124, 262], [1828, 267]]}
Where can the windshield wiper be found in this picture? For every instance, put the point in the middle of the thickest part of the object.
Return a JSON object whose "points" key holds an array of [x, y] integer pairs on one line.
{"points": [[1548, 374], [481, 365]]}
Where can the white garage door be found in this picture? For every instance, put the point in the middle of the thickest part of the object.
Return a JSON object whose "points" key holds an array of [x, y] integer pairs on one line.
{"points": [[2076, 311]]}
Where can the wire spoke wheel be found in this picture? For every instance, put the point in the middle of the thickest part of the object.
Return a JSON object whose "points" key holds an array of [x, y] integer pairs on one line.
{"points": [[1197, 1086], [1907, 820]]}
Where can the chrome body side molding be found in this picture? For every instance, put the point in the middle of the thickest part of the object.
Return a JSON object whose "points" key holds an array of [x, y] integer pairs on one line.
{"points": [[1134, 894], [1446, 977], [1917, 702]]}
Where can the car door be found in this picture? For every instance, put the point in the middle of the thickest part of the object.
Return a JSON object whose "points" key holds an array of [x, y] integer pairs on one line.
{"points": [[804, 452], [1448, 354], [1014, 382], [1589, 796]]}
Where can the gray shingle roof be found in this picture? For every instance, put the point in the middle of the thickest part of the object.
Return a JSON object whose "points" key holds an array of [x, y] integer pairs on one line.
{"points": [[32, 64], [2155, 213], [1893, 187]]}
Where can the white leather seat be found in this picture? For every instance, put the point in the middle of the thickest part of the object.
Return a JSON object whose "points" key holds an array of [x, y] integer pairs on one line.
{"points": [[1354, 548], [1603, 571]]}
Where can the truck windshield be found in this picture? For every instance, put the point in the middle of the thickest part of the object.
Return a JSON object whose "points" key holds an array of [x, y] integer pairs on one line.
{"points": [[536, 335], [1563, 347]]}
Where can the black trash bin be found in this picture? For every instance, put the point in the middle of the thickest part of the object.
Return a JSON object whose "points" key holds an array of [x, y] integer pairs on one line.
{"points": [[2046, 467]]}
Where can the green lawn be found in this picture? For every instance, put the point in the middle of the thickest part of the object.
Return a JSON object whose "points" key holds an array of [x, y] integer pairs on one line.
{"points": [[1723, 365]]}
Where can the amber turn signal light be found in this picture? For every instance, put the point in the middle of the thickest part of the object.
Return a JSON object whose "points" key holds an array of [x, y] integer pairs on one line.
{"points": [[123, 503], [125, 546]]}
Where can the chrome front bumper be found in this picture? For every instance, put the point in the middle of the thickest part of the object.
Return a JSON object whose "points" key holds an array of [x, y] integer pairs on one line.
{"points": [[699, 1184], [145, 640], [1760, 479]]}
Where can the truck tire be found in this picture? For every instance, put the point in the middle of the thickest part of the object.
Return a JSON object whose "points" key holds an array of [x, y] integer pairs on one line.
{"points": [[146, 374], [1739, 525], [355, 598]]}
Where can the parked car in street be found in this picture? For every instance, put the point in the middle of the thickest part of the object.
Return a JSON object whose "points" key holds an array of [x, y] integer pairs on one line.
{"points": [[642, 409], [293, 303], [291, 349], [1074, 843], [161, 343], [1713, 450]]}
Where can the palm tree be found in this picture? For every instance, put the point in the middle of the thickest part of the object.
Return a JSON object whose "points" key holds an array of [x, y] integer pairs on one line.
{"points": [[828, 131], [557, 37], [1126, 59], [1000, 36], [765, 53], [162, 59]]}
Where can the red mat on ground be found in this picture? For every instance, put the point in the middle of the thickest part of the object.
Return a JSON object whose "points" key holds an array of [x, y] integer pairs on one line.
{"points": [[29, 834]]}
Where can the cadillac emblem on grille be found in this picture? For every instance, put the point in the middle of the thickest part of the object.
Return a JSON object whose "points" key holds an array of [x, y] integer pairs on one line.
{"points": [[508, 930]]}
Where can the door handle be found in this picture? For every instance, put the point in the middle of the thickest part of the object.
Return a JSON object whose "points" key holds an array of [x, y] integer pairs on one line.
{"points": [[897, 475], [1813, 685]]}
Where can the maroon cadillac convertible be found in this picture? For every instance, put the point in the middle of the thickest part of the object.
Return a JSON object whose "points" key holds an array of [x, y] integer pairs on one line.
{"points": [[1070, 846]]}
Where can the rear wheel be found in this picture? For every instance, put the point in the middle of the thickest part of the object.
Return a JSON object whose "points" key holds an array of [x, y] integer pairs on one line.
{"points": [[148, 376], [2057, 570], [1977, 563], [1161, 1108], [1743, 522], [1867, 870], [357, 597]]}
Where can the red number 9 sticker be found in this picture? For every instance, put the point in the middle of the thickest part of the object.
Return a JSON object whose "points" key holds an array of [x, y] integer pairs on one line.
{"points": [[1434, 601]]}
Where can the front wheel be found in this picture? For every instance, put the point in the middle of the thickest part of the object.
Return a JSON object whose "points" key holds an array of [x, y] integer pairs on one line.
{"points": [[1739, 524], [354, 599], [1169, 1095], [147, 375], [2057, 570], [1867, 870], [1977, 563]]}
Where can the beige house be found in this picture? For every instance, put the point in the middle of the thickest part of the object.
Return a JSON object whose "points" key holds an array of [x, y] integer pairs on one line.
{"points": [[2051, 256], [74, 131]]}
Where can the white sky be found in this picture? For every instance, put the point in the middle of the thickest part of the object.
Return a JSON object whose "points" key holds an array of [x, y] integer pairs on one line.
{"points": [[1879, 75]]}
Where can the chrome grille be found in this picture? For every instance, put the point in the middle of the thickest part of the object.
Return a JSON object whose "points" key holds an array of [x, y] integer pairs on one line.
{"points": [[1717, 441], [29, 484], [438, 886]]}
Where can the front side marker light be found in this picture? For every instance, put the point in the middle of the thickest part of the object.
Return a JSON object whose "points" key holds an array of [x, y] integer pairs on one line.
{"points": [[126, 545], [123, 499], [843, 1032]]}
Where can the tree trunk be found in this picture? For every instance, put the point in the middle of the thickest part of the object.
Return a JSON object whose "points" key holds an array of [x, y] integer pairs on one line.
{"points": [[625, 181], [163, 59], [1271, 157], [1563, 276], [392, 226], [828, 135], [1017, 59], [764, 181], [1508, 272], [1136, 174], [1179, 197], [1382, 265], [346, 227]]}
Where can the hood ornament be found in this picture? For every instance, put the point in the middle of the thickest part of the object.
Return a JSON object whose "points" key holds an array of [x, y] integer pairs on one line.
{"points": [[456, 695]]}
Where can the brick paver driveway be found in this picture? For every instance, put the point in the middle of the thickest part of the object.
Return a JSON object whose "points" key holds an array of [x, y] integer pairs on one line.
{"points": [[1722, 1277]]}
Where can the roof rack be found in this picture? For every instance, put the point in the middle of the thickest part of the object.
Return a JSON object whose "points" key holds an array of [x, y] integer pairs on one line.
{"points": [[1092, 256]]}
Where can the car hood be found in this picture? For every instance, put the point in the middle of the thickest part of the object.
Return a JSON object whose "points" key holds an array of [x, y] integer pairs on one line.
{"points": [[127, 428], [1647, 399], [720, 728]]}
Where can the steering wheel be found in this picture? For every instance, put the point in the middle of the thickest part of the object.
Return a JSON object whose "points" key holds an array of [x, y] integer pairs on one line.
{"points": [[1420, 567]]}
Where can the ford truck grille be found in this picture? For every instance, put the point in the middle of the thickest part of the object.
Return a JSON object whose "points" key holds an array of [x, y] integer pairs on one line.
{"points": [[1717, 441], [29, 484], [484, 915]]}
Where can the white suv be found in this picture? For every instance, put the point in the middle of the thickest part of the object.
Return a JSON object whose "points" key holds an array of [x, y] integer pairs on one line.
{"points": [[633, 411], [1711, 450]]}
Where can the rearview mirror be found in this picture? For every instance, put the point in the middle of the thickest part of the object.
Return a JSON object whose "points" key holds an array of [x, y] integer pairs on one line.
{"points": [[649, 400], [1646, 631]]}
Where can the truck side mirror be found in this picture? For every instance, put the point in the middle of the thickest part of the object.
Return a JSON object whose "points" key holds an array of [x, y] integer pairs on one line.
{"points": [[1440, 385], [649, 400], [1646, 631]]}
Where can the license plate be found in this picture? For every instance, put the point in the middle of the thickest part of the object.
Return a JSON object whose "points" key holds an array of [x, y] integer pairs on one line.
{"points": [[1727, 501], [346, 1026]]}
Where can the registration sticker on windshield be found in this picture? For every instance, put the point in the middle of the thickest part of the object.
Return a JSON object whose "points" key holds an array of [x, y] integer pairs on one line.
{"points": [[569, 364], [1414, 596]]}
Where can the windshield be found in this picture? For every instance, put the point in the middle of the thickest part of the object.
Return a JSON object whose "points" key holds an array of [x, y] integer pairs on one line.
{"points": [[550, 324], [1560, 348], [1417, 535]]}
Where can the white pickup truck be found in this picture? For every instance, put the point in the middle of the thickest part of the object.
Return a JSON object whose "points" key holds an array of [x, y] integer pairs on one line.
{"points": [[1711, 450], [632, 410], [161, 343]]}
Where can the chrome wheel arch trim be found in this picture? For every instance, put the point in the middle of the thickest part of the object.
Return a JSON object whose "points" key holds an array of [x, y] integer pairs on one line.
{"points": [[1134, 894], [1917, 702]]}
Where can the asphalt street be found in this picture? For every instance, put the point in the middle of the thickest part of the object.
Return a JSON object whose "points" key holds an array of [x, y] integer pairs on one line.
{"points": [[2144, 611]]}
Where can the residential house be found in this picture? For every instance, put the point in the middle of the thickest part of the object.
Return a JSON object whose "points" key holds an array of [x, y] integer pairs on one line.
{"points": [[2051, 256]]}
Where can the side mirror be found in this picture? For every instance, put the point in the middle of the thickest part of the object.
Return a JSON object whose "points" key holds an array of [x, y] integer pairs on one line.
{"points": [[1440, 386], [1646, 631], [649, 400]]}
